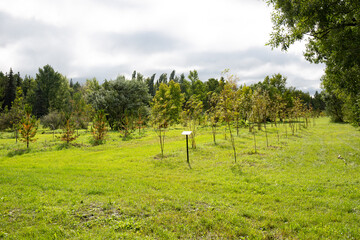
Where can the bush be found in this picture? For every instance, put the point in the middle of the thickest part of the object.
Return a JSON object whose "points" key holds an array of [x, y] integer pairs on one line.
{"points": [[54, 120]]}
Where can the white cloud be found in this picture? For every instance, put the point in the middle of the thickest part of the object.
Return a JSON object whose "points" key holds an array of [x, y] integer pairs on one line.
{"points": [[94, 38]]}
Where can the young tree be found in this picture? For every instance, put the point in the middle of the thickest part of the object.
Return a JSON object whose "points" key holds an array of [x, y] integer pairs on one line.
{"points": [[192, 114], [99, 128], [244, 103], [28, 127], [141, 118], [276, 105], [213, 113], [127, 124], [68, 134], [260, 111], [166, 108], [17, 111], [228, 102]]}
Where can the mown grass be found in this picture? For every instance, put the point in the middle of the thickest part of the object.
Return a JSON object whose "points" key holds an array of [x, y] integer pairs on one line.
{"points": [[295, 189]]}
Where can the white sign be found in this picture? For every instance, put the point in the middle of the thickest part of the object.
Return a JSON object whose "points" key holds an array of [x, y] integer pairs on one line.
{"points": [[186, 132]]}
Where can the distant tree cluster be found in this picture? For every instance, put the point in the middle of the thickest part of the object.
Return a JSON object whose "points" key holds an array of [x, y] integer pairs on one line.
{"points": [[129, 104]]}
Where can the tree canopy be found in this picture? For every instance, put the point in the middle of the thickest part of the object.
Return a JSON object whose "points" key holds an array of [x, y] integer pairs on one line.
{"points": [[331, 30]]}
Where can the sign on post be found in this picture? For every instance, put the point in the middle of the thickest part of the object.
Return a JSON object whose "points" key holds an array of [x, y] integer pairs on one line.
{"points": [[187, 133]]}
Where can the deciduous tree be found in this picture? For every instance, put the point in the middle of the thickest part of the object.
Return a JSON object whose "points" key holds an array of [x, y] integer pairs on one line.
{"points": [[166, 108], [228, 102]]}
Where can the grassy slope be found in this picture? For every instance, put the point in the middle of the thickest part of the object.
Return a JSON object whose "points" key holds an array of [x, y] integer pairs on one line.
{"points": [[297, 188]]}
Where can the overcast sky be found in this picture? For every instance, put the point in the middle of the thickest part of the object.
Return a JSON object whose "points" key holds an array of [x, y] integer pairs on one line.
{"points": [[105, 38]]}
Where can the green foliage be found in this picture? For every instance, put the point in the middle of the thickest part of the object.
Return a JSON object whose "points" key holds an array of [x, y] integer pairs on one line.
{"points": [[28, 127], [28, 87], [166, 108], [213, 113], [127, 126], [11, 119], [2, 89], [167, 105], [9, 90], [119, 98], [99, 128], [334, 39], [51, 92], [68, 131], [192, 115], [334, 107], [54, 120], [228, 105]]}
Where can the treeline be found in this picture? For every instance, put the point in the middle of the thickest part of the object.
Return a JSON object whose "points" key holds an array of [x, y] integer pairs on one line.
{"points": [[127, 102]]}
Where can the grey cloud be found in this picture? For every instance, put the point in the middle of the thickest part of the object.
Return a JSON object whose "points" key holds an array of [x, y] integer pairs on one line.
{"points": [[15, 29], [140, 42], [37, 43], [102, 73], [40, 44], [249, 58], [251, 63]]}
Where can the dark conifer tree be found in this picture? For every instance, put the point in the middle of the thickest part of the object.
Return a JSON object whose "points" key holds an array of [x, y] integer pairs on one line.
{"points": [[18, 80], [151, 85], [172, 75], [10, 90], [163, 78]]}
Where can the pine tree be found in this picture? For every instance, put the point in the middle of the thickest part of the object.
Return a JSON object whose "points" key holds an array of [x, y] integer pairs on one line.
{"points": [[28, 127], [10, 90], [99, 128], [68, 134]]}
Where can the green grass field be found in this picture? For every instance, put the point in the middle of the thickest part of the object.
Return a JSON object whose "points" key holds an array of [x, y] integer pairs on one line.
{"points": [[295, 189]]}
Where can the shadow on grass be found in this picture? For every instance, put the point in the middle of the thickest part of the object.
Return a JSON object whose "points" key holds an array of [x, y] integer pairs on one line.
{"points": [[18, 152], [70, 145], [237, 169]]}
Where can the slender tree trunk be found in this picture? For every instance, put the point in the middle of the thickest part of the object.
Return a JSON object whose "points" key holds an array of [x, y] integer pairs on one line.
{"points": [[214, 133], [277, 132], [232, 141], [254, 139], [162, 138], [237, 127], [267, 141], [193, 134]]}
